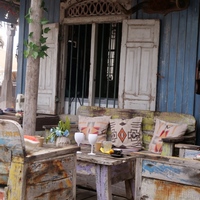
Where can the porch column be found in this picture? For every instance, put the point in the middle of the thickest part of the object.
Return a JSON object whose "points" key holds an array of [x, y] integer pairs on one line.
{"points": [[7, 86]]}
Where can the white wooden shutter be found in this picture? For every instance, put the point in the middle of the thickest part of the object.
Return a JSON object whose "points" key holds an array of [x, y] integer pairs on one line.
{"points": [[48, 73], [138, 64]]}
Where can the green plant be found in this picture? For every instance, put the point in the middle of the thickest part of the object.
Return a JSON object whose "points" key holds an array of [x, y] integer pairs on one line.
{"points": [[32, 49], [62, 130]]}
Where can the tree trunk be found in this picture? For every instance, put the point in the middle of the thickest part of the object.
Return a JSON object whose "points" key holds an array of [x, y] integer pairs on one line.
{"points": [[32, 72]]}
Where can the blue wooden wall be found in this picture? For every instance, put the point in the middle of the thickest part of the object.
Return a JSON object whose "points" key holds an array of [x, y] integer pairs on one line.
{"points": [[178, 55], [53, 7], [177, 59]]}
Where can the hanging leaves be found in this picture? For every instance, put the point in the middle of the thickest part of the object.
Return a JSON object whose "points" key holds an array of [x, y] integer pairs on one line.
{"points": [[33, 49]]}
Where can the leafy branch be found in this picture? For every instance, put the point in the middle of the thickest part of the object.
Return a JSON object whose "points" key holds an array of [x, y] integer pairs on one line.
{"points": [[34, 50]]}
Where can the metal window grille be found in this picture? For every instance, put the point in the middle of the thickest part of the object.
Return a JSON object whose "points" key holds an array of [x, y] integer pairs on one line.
{"points": [[107, 65]]}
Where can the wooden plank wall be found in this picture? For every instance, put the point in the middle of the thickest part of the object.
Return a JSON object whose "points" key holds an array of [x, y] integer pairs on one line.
{"points": [[177, 58], [178, 55]]}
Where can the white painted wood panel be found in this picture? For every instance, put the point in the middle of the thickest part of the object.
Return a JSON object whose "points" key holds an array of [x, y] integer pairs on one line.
{"points": [[48, 73], [138, 64]]}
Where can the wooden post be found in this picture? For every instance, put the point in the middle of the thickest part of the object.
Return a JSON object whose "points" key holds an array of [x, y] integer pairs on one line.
{"points": [[7, 86], [32, 71]]}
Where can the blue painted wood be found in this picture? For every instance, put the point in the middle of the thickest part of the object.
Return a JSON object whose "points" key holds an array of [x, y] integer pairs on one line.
{"points": [[52, 16], [11, 138], [191, 153], [172, 62], [169, 172], [23, 35], [190, 57], [163, 63], [180, 61], [53, 8], [177, 59]]}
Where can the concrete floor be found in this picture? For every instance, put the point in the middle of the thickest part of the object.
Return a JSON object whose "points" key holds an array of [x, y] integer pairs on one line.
{"points": [[84, 194]]}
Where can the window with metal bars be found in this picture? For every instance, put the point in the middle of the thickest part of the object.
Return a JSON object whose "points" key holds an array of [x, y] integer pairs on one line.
{"points": [[79, 68]]}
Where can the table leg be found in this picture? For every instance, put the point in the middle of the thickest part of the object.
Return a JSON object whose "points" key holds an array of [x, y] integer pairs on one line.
{"points": [[129, 184], [103, 182]]}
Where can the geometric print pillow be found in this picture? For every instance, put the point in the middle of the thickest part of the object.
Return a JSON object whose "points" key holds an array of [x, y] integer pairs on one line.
{"points": [[162, 130], [93, 125], [126, 133]]}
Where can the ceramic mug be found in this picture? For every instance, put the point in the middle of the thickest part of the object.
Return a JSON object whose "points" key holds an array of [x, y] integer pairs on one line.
{"points": [[117, 151]]}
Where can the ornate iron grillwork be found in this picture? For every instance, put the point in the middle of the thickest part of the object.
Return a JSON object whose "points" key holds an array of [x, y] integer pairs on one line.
{"points": [[93, 8]]}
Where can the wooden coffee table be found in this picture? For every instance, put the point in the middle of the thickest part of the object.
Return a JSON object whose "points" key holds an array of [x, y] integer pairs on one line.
{"points": [[107, 170]]}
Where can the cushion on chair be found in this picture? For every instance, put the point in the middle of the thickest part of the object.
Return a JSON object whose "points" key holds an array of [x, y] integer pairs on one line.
{"points": [[126, 133], [165, 129], [96, 125]]}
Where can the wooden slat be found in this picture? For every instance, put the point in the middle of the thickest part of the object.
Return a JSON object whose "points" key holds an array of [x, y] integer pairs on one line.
{"points": [[5, 154], [170, 172], [61, 167], [158, 189], [60, 189], [11, 138]]}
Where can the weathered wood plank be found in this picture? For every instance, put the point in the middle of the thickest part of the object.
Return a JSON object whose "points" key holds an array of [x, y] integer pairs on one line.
{"points": [[191, 153], [103, 182], [16, 181], [5, 162], [138, 178], [5, 154], [50, 150], [158, 189], [59, 189], [168, 159], [11, 137], [170, 172], [50, 169]]}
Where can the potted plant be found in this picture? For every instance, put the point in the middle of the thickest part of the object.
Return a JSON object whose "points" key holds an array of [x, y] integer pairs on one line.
{"points": [[60, 133]]}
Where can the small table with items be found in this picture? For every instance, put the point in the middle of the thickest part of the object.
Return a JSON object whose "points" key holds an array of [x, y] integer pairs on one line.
{"points": [[107, 170]]}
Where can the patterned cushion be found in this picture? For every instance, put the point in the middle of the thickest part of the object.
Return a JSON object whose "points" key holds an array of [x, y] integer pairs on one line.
{"points": [[95, 125], [162, 130], [126, 133]]}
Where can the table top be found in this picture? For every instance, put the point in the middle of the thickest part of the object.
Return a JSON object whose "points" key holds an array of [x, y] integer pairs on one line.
{"points": [[50, 150], [102, 158]]}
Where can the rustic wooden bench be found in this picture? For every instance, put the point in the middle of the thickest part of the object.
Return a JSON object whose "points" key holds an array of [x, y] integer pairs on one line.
{"points": [[46, 172], [90, 169]]}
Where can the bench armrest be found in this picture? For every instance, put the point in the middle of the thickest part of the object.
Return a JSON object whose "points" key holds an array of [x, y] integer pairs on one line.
{"points": [[172, 139], [187, 146], [178, 139]]}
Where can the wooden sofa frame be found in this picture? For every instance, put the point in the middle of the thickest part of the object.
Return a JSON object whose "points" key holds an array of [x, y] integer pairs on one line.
{"points": [[86, 166], [148, 124]]}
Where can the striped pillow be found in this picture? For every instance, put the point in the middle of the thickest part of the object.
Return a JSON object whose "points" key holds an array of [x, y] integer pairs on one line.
{"points": [[126, 133]]}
